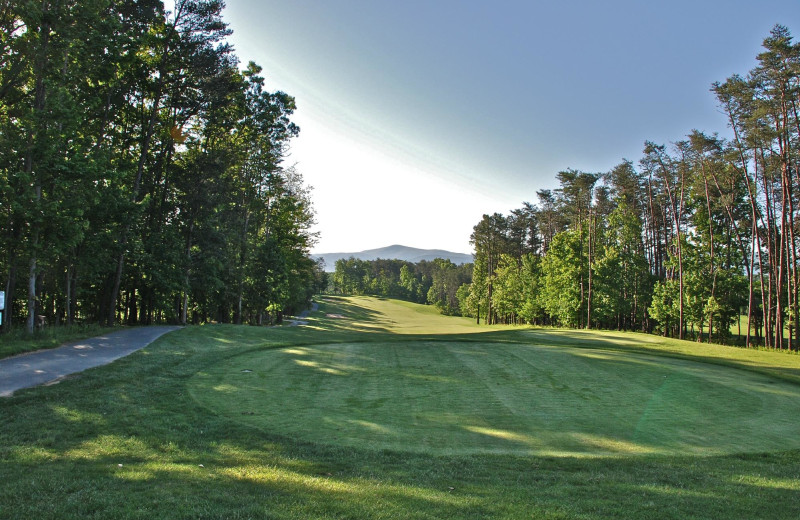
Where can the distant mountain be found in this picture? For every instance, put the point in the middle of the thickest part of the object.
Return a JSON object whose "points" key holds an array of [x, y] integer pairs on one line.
{"points": [[396, 252]]}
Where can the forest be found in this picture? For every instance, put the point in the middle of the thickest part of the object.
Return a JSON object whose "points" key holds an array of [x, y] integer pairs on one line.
{"points": [[141, 170], [696, 238], [436, 283]]}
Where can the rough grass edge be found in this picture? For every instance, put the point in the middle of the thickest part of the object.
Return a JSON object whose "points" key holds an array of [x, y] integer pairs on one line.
{"points": [[19, 341]]}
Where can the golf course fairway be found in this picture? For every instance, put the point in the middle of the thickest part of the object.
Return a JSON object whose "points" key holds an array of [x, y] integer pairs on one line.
{"points": [[470, 393]]}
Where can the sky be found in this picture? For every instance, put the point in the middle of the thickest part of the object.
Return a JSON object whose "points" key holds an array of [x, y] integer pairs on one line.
{"points": [[418, 117]]}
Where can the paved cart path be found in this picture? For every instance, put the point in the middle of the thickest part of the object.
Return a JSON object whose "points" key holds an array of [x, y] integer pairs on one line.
{"points": [[45, 366], [300, 318]]}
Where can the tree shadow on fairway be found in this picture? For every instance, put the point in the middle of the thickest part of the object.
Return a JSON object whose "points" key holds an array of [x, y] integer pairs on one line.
{"points": [[774, 364], [138, 456], [338, 314], [70, 458]]}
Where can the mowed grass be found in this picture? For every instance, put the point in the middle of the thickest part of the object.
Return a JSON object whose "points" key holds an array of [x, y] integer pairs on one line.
{"points": [[155, 435], [381, 315], [455, 398]]}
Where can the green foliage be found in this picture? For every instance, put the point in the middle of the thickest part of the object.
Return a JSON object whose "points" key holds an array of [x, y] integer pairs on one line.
{"points": [[562, 269], [532, 309], [507, 297], [141, 173], [664, 307], [623, 280], [446, 279], [435, 282], [463, 294]]}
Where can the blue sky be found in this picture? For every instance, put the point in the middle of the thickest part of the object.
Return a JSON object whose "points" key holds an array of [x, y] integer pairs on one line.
{"points": [[418, 117]]}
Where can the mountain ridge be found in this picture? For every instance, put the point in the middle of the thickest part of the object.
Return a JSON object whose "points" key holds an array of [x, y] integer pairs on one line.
{"points": [[395, 252]]}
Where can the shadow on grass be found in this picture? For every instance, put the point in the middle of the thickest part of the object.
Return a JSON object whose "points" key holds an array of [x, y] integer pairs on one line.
{"points": [[64, 456], [338, 314], [728, 356], [354, 322]]}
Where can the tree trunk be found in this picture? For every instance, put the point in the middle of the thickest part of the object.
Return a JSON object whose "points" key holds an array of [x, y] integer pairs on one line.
{"points": [[111, 316], [188, 274], [31, 322], [8, 312], [145, 150], [68, 297], [40, 97], [712, 267], [589, 288]]}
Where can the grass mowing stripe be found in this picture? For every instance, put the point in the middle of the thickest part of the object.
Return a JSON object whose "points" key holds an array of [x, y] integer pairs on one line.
{"points": [[460, 398]]}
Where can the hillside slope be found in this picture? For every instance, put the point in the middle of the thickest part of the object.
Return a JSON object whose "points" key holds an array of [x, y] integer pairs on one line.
{"points": [[398, 252]]}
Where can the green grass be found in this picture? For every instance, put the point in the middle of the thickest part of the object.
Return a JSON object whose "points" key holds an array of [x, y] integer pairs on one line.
{"points": [[444, 397], [151, 436], [18, 341], [380, 315]]}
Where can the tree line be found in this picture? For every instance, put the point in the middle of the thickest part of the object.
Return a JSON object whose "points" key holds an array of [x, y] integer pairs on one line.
{"points": [[141, 170], [437, 282], [682, 242]]}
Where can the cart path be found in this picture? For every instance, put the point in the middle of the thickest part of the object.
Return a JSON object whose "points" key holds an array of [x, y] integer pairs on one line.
{"points": [[47, 366], [300, 318]]}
